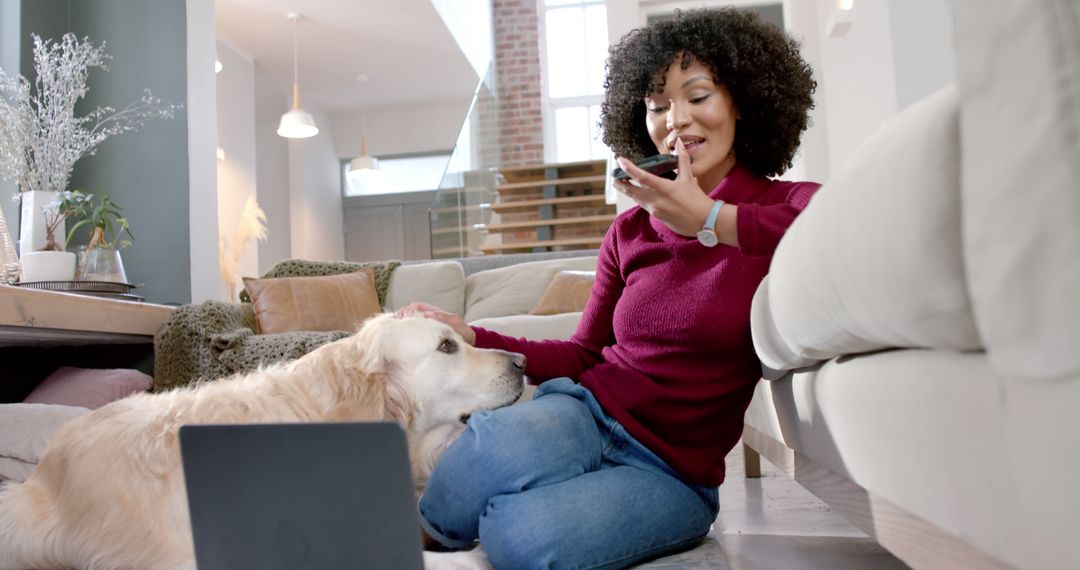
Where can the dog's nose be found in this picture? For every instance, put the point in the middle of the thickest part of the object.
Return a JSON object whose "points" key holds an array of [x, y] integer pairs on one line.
{"points": [[519, 361]]}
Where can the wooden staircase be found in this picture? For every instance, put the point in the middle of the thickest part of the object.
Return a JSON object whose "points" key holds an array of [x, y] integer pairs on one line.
{"points": [[548, 207]]}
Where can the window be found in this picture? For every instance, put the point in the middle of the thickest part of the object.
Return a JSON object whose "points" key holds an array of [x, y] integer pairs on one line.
{"points": [[396, 174], [576, 40]]}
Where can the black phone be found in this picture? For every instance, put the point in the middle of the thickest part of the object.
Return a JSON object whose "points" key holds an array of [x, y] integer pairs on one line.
{"points": [[662, 165]]}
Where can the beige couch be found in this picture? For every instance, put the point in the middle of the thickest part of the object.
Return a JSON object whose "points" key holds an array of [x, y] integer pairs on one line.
{"points": [[920, 323]]}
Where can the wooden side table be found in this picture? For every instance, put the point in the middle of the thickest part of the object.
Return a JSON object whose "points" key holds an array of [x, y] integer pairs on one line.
{"points": [[43, 330]]}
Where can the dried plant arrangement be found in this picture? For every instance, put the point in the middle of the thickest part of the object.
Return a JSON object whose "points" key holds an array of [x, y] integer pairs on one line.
{"points": [[41, 139], [250, 226]]}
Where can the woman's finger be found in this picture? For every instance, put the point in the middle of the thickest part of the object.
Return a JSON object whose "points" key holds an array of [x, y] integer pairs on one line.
{"points": [[685, 161]]}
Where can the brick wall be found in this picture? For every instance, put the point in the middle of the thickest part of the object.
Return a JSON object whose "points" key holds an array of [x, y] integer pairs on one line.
{"points": [[517, 64]]}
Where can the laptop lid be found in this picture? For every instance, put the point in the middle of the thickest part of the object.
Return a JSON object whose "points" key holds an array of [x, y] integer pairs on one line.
{"points": [[293, 496]]}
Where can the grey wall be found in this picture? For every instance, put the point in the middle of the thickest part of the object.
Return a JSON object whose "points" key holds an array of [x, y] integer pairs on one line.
{"points": [[9, 62], [145, 172]]}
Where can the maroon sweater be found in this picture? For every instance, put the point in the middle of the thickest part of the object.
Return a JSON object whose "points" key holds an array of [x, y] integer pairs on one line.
{"points": [[664, 342]]}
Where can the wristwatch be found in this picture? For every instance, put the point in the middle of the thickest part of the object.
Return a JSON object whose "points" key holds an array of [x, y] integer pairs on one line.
{"points": [[707, 235]]}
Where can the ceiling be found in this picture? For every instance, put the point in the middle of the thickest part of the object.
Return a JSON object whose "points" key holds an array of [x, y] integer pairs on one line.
{"points": [[402, 46]]}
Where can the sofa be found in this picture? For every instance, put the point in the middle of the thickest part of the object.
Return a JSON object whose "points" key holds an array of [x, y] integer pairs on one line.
{"points": [[215, 339], [919, 328]]}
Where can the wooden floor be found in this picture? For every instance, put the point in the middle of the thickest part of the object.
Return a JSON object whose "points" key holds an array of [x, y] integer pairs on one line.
{"points": [[772, 523]]}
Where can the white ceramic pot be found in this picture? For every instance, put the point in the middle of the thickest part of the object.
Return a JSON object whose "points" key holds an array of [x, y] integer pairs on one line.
{"points": [[32, 221], [47, 266]]}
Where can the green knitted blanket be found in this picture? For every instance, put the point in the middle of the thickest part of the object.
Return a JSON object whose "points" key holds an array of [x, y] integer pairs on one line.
{"points": [[213, 340]]}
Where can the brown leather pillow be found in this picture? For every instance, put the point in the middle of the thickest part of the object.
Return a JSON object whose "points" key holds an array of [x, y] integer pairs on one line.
{"points": [[567, 293], [326, 303]]}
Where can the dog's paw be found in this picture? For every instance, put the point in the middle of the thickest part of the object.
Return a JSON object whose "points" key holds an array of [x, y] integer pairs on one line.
{"points": [[474, 559]]}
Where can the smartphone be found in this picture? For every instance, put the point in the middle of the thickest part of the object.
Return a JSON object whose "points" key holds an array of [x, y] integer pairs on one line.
{"points": [[662, 165]]}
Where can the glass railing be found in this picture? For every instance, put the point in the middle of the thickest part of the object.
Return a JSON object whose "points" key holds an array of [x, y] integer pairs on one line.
{"points": [[467, 189]]}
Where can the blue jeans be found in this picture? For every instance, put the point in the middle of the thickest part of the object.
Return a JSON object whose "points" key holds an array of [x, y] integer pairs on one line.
{"points": [[557, 483]]}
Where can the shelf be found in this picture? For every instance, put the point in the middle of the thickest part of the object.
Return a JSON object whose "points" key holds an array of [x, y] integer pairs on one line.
{"points": [[525, 204], [604, 219], [593, 241]]}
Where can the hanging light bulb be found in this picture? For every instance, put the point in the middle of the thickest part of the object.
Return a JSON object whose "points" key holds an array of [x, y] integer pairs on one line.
{"points": [[297, 123]]}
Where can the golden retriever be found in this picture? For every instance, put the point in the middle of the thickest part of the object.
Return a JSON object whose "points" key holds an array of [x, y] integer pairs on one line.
{"points": [[109, 490]]}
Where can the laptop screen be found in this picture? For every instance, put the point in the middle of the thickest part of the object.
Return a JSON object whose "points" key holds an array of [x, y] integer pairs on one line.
{"points": [[292, 496]]}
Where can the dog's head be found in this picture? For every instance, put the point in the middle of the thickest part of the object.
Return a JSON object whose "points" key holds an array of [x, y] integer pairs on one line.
{"points": [[432, 376]]}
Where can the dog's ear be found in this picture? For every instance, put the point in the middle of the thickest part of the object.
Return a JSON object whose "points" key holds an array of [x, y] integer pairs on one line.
{"points": [[398, 400], [370, 350]]}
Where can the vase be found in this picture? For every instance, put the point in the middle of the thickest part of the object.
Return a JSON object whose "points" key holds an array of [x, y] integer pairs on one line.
{"points": [[32, 235], [101, 264], [47, 266], [9, 261]]}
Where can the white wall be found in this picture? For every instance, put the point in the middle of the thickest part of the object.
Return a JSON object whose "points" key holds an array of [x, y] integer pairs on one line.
{"points": [[469, 21], [272, 171], [201, 107], [922, 48], [316, 212], [236, 138], [399, 129], [857, 76]]}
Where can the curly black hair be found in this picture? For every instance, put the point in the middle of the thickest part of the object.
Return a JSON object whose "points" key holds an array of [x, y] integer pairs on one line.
{"points": [[770, 83]]}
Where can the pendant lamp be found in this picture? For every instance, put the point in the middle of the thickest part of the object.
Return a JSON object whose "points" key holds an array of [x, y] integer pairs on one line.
{"points": [[297, 123], [364, 161]]}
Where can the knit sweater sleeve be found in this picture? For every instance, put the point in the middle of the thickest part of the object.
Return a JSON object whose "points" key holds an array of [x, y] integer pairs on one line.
{"points": [[761, 226], [548, 359]]}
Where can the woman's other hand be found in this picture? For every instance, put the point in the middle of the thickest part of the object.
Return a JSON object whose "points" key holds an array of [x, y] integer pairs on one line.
{"points": [[680, 204], [432, 312]]}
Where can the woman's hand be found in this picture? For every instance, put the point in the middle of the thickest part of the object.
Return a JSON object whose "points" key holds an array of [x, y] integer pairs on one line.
{"points": [[680, 204], [432, 312]]}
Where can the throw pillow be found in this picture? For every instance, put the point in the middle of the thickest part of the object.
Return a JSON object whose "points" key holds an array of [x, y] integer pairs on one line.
{"points": [[88, 388], [567, 293], [325, 303]]}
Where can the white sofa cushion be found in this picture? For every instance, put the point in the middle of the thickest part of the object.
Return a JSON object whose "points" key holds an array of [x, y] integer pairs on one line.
{"points": [[874, 260], [946, 437], [438, 283], [560, 326], [1018, 68], [25, 432], [515, 289]]}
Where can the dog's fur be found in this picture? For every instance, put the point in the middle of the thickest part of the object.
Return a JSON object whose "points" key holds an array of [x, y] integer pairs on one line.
{"points": [[109, 490]]}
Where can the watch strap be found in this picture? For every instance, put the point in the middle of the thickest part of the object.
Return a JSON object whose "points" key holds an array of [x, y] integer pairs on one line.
{"points": [[710, 221]]}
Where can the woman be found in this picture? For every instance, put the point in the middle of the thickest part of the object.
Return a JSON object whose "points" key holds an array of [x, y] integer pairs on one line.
{"points": [[618, 457]]}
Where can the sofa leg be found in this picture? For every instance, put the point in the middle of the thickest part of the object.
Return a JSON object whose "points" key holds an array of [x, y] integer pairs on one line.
{"points": [[751, 462]]}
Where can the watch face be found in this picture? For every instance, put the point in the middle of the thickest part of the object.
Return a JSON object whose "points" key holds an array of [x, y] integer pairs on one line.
{"points": [[707, 238]]}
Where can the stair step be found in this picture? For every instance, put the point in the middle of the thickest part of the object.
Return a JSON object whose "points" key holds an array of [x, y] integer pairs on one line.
{"points": [[547, 222], [592, 240]]}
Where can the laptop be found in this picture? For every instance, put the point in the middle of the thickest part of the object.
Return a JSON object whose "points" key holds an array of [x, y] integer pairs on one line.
{"points": [[295, 496]]}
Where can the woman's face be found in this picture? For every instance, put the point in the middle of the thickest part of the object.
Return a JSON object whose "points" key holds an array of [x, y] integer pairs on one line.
{"points": [[696, 109]]}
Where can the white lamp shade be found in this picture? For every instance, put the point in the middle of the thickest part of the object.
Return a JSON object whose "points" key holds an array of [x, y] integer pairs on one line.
{"points": [[297, 124], [363, 162]]}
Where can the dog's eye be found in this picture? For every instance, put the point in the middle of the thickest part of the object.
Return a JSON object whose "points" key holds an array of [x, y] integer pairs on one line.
{"points": [[448, 346]]}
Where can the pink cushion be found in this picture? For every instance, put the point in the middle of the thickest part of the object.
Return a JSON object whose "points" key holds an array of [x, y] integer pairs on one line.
{"points": [[88, 388]]}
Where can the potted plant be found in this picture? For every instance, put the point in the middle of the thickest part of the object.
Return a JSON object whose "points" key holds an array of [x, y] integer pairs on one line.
{"points": [[100, 260], [52, 262], [40, 136]]}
